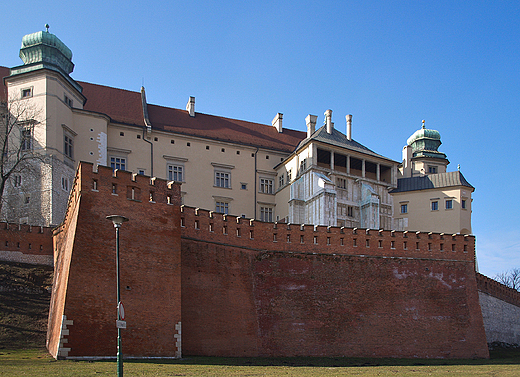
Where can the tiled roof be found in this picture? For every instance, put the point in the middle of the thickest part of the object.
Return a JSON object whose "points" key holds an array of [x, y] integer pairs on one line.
{"points": [[432, 181], [124, 106], [339, 139]]}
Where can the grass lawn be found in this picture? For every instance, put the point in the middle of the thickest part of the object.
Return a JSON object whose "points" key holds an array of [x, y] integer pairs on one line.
{"points": [[37, 362]]}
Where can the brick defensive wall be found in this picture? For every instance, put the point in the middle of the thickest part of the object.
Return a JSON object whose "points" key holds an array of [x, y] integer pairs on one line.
{"points": [[82, 318], [26, 244], [498, 290], [251, 288]]}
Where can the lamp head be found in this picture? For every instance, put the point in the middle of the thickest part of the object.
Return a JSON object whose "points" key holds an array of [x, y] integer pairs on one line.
{"points": [[117, 220]]}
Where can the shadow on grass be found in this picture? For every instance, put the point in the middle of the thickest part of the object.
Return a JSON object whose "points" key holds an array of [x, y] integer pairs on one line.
{"points": [[502, 356]]}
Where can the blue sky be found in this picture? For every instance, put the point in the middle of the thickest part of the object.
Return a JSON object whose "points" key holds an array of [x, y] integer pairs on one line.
{"points": [[389, 63]]}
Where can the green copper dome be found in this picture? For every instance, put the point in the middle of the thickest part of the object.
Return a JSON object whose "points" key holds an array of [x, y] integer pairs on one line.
{"points": [[424, 133], [425, 143], [44, 47]]}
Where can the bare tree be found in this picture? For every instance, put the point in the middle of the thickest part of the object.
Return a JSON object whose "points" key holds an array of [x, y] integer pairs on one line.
{"points": [[18, 149], [510, 278]]}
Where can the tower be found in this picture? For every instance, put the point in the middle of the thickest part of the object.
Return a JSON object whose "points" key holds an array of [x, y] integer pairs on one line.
{"points": [[42, 90]]}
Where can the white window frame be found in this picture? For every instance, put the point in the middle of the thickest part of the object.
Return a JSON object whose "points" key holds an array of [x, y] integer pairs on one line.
{"points": [[266, 214], [266, 186], [176, 172], [434, 203], [222, 179], [404, 208], [450, 201], [281, 180], [222, 207], [118, 162]]}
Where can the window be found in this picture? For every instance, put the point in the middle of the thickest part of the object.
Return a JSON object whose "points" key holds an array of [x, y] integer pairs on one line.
{"points": [[141, 172], [266, 186], [341, 183], [463, 203], [303, 164], [432, 169], [266, 214], [65, 183], [26, 139], [68, 146], [27, 92], [243, 186], [435, 206], [68, 101], [281, 180], [350, 211], [404, 208], [175, 173], [222, 207], [289, 176], [118, 163], [17, 180], [449, 204], [222, 179]]}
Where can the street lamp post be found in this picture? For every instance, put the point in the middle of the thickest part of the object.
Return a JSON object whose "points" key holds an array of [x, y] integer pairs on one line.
{"points": [[117, 220]]}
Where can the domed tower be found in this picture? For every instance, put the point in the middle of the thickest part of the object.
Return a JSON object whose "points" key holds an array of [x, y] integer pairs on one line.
{"points": [[42, 90], [421, 155]]}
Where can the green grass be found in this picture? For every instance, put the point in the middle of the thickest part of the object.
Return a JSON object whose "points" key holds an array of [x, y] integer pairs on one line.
{"points": [[37, 362]]}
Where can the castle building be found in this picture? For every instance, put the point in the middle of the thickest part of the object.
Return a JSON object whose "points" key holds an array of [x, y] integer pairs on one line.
{"points": [[428, 197], [264, 172]]}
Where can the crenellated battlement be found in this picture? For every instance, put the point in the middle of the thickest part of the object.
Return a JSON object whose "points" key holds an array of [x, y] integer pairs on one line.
{"points": [[498, 290], [135, 187], [26, 244], [210, 226]]}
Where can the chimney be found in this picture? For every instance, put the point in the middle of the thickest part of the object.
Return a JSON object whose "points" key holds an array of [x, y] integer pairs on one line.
{"points": [[311, 124], [349, 126], [328, 121], [277, 122], [190, 106]]}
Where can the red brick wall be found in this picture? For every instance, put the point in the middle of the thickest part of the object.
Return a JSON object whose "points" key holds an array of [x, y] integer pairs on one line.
{"points": [[149, 260], [498, 290], [252, 288], [244, 296], [26, 244]]}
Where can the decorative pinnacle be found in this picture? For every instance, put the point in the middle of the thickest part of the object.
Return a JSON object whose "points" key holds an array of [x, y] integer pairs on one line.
{"points": [[47, 27], [423, 126]]}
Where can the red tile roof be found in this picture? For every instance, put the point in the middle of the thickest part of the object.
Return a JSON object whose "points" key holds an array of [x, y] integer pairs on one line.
{"points": [[124, 106]]}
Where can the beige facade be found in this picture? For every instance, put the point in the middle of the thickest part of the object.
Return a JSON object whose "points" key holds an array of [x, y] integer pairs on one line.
{"points": [[445, 210], [266, 172]]}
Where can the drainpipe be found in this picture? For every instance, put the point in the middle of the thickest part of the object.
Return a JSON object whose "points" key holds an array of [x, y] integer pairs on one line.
{"points": [[254, 189], [147, 130], [151, 151]]}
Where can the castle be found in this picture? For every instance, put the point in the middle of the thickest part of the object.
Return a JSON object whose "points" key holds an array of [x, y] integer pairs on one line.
{"points": [[265, 172], [253, 240]]}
